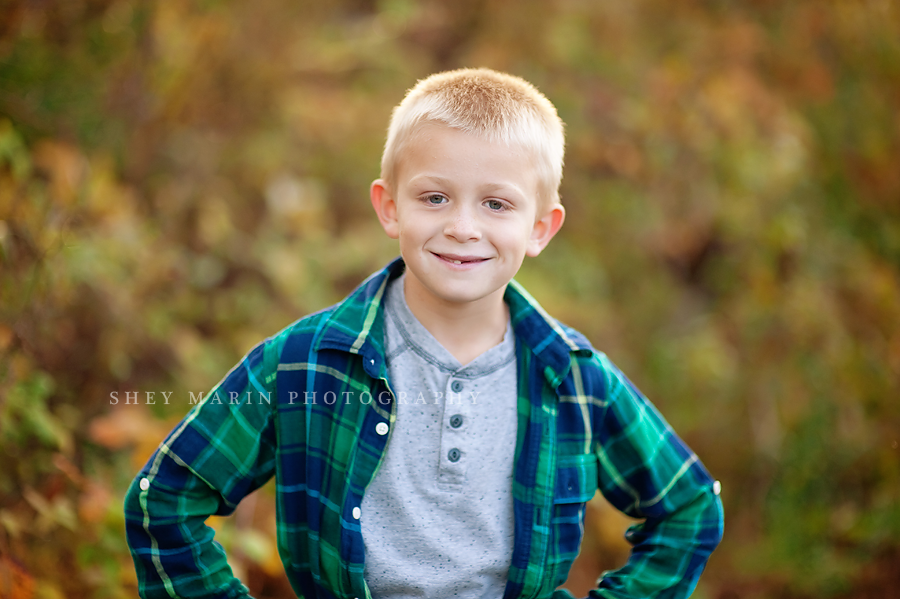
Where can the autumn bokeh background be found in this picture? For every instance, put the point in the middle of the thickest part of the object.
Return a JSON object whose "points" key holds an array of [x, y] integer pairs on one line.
{"points": [[180, 179]]}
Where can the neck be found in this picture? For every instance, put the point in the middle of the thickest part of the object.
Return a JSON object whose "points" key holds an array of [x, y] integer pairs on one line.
{"points": [[466, 330]]}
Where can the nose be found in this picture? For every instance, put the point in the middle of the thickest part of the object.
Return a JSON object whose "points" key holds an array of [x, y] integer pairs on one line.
{"points": [[462, 224]]}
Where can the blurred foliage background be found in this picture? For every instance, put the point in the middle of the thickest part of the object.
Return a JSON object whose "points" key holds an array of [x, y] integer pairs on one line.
{"points": [[181, 179]]}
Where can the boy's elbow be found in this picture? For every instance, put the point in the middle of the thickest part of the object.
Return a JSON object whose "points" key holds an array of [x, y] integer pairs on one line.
{"points": [[709, 519], [132, 500], [134, 513], [713, 519], [702, 522]]}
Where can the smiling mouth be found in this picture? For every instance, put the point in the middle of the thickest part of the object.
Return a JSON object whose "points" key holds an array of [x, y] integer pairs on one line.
{"points": [[455, 259]]}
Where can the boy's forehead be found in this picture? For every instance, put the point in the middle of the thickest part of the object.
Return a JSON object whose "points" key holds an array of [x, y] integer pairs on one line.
{"points": [[436, 133], [436, 144]]}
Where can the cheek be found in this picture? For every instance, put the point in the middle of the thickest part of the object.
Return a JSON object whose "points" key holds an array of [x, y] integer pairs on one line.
{"points": [[515, 238], [413, 233], [513, 245]]}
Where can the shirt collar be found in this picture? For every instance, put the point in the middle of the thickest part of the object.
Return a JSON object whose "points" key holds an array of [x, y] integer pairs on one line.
{"points": [[357, 326]]}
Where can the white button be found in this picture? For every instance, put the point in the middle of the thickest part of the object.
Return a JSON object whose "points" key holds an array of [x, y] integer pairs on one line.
{"points": [[381, 428], [717, 487], [145, 484], [356, 513]]}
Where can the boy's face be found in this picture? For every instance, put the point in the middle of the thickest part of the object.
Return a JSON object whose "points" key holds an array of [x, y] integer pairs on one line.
{"points": [[465, 211]]}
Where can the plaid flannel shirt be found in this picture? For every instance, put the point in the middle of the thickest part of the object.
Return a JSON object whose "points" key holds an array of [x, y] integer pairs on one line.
{"points": [[312, 406]]}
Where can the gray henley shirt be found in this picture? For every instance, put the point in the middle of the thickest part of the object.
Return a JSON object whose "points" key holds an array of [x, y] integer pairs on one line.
{"points": [[437, 520]]}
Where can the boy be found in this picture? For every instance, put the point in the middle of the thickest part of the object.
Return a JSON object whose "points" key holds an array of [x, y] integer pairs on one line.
{"points": [[436, 433]]}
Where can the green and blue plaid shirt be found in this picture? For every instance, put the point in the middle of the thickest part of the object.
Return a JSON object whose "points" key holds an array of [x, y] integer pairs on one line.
{"points": [[312, 406]]}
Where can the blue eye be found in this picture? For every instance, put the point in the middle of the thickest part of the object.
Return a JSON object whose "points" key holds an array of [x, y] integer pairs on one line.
{"points": [[494, 204], [435, 199]]}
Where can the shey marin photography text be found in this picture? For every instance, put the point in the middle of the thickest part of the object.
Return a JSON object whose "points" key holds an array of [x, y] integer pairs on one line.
{"points": [[308, 397]]}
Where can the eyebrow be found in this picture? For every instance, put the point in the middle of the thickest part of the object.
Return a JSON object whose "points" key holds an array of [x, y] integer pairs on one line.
{"points": [[444, 182]]}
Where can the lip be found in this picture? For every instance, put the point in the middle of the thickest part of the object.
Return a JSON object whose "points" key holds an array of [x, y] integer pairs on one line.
{"points": [[460, 260]]}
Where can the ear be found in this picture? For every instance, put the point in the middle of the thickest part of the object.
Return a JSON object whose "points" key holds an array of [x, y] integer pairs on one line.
{"points": [[385, 207], [544, 229]]}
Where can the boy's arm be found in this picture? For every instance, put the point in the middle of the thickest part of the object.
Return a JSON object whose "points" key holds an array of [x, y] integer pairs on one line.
{"points": [[219, 453], [647, 472]]}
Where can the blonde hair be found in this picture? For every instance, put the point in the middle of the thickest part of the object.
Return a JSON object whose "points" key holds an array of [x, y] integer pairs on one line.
{"points": [[494, 106]]}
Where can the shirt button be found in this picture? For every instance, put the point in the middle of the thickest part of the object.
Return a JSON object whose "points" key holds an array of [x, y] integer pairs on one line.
{"points": [[717, 487], [456, 420], [356, 513], [453, 455], [381, 428], [456, 386], [145, 484]]}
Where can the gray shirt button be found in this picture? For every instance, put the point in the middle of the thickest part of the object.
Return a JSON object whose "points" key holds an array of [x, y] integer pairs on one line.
{"points": [[453, 455], [456, 420], [456, 386]]}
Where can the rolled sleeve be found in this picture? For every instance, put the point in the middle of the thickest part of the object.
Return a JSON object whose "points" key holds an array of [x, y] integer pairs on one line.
{"points": [[647, 472], [220, 452]]}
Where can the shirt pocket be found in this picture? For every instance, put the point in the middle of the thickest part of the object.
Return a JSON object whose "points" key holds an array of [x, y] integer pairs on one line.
{"points": [[576, 484]]}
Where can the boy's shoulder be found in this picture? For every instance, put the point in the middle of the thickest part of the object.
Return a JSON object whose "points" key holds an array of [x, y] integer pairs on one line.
{"points": [[539, 327], [352, 324], [565, 349]]}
